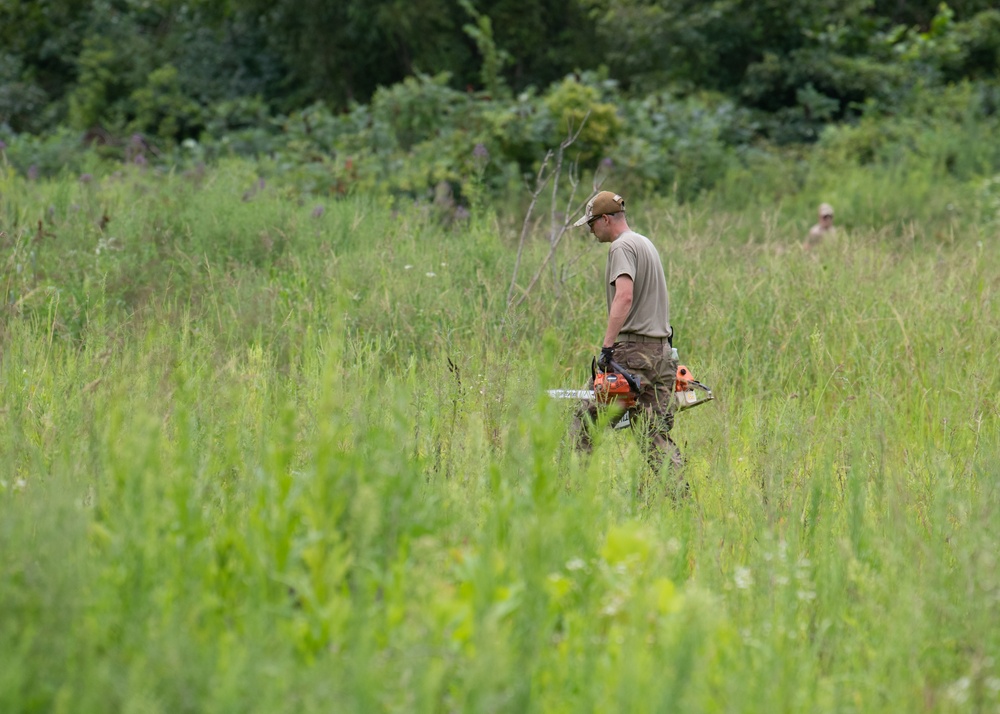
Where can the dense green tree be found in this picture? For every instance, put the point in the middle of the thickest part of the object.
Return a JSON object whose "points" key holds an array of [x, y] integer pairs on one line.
{"points": [[715, 44], [545, 40], [921, 13], [39, 45], [172, 68], [341, 52]]}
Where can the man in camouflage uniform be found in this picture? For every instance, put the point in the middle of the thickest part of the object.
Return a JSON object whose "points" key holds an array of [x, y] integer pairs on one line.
{"points": [[638, 331]]}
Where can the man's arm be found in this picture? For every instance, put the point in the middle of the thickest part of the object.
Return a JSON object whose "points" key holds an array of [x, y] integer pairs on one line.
{"points": [[620, 306]]}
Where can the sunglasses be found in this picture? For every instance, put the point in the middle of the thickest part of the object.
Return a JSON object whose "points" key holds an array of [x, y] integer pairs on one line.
{"points": [[592, 221]]}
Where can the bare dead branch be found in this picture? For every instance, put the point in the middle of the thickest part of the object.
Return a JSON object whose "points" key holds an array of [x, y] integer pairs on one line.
{"points": [[558, 228], [540, 180]]}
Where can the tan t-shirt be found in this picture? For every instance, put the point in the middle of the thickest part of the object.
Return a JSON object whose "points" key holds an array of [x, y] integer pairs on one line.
{"points": [[635, 255]]}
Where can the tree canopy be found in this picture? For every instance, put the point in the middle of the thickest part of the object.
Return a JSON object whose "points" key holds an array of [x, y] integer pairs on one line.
{"points": [[124, 63]]}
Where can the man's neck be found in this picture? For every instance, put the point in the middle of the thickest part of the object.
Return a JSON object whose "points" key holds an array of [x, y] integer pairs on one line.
{"points": [[625, 229]]}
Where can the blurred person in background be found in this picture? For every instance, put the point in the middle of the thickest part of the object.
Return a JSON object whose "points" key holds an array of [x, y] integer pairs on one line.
{"points": [[825, 226]]}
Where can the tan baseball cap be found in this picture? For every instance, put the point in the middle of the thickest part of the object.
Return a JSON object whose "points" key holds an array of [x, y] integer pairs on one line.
{"points": [[825, 209], [603, 203]]}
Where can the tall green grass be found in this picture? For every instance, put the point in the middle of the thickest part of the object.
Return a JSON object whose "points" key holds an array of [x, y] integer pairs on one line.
{"points": [[264, 457]]}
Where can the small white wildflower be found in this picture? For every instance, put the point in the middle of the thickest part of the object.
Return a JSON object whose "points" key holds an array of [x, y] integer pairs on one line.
{"points": [[444, 265], [407, 267], [575, 564], [431, 275], [958, 691], [993, 684], [613, 607], [743, 578], [20, 484]]}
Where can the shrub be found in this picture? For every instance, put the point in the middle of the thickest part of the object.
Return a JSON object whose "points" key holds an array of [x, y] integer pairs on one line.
{"points": [[576, 107], [23, 102], [162, 109]]}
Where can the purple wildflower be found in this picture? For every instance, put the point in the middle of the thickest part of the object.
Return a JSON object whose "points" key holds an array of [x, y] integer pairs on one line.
{"points": [[607, 163], [318, 212], [3, 144], [461, 213], [32, 172], [140, 159], [86, 178], [481, 153]]}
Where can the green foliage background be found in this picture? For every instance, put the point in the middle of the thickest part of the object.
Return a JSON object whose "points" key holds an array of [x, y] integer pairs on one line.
{"points": [[272, 379]]}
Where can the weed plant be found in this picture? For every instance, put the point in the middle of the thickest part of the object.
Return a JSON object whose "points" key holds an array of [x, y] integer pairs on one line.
{"points": [[270, 454]]}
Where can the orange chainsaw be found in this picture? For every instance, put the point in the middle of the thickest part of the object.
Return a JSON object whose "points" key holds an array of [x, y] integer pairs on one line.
{"points": [[618, 386]]}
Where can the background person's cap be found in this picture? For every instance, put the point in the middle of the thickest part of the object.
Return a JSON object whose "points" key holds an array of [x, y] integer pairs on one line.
{"points": [[825, 209], [603, 203]]}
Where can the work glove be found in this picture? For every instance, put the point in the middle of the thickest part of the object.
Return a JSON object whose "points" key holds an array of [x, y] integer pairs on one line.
{"points": [[604, 361]]}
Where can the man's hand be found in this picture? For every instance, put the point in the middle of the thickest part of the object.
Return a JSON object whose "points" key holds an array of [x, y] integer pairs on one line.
{"points": [[604, 361]]}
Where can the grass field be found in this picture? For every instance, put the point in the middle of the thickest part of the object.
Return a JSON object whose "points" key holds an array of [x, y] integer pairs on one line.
{"points": [[269, 454]]}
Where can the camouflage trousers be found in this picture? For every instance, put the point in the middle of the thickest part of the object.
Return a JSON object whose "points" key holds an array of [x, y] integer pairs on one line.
{"points": [[655, 406]]}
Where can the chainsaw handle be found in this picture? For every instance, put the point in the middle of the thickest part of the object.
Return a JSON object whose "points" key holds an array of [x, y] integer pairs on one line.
{"points": [[633, 382]]}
